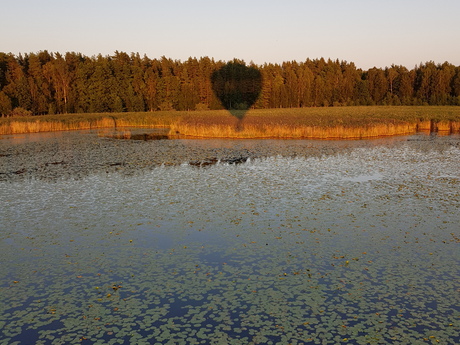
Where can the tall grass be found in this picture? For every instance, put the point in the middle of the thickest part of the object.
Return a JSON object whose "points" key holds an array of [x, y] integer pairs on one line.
{"points": [[244, 130], [320, 123], [323, 123], [68, 122]]}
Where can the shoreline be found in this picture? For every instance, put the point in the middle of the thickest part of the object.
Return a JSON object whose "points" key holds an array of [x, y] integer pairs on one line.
{"points": [[295, 123], [56, 155]]}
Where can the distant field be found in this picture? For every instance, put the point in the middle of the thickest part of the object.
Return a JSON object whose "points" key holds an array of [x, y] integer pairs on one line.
{"points": [[324, 123]]}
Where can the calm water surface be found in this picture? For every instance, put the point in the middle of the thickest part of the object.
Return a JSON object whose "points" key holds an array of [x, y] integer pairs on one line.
{"points": [[354, 244]]}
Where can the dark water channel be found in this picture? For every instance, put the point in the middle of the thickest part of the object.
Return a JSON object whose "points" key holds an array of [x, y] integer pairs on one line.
{"points": [[108, 241]]}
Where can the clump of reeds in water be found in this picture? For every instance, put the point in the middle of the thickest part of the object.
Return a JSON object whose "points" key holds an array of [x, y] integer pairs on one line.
{"points": [[441, 127], [110, 133], [320, 123], [226, 126], [455, 127]]}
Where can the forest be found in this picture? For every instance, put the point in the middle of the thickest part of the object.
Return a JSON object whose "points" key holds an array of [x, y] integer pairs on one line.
{"points": [[53, 83]]}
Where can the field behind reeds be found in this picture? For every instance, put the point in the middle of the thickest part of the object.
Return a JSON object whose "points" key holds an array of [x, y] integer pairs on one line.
{"points": [[321, 123]]}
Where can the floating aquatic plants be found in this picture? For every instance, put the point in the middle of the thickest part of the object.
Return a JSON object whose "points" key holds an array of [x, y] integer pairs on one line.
{"points": [[356, 247]]}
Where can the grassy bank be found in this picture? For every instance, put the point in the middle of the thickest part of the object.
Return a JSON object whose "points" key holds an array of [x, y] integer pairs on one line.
{"points": [[324, 123], [68, 122]]}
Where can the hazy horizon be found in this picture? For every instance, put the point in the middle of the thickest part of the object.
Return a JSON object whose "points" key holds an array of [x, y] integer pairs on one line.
{"points": [[367, 33]]}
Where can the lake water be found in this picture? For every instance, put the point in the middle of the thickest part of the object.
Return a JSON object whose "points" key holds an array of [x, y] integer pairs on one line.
{"points": [[106, 241]]}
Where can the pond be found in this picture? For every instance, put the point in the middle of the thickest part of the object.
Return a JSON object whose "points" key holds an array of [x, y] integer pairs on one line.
{"points": [[121, 241]]}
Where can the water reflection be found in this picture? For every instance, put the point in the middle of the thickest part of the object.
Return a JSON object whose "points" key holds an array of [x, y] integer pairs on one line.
{"points": [[66, 155]]}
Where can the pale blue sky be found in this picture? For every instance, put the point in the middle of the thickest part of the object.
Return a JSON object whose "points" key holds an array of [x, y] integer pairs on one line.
{"points": [[368, 33]]}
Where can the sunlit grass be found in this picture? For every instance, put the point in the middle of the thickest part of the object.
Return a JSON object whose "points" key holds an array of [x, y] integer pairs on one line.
{"points": [[67, 122], [323, 123]]}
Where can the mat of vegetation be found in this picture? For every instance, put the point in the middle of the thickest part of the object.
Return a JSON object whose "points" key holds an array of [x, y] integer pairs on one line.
{"points": [[302, 242]]}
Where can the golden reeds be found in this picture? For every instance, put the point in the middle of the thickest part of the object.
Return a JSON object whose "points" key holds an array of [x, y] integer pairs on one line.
{"points": [[443, 126], [51, 123], [424, 126], [293, 123], [455, 127], [322, 123], [15, 127], [291, 132]]}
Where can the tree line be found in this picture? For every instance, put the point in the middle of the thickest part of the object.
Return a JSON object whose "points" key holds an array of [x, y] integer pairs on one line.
{"points": [[54, 83]]}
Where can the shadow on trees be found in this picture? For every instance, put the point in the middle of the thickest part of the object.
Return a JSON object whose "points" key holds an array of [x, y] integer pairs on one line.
{"points": [[237, 86]]}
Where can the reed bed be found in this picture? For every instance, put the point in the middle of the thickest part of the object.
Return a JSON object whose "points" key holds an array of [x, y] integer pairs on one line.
{"points": [[69, 122], [245, 130], [455, 127], [319, 123]]}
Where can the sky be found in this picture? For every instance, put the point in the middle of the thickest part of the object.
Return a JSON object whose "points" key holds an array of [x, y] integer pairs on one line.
{"points": [[367, 32]]}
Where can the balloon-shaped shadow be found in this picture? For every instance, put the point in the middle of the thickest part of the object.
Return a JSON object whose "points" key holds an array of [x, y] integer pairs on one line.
{"points": [[237, 86]]}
